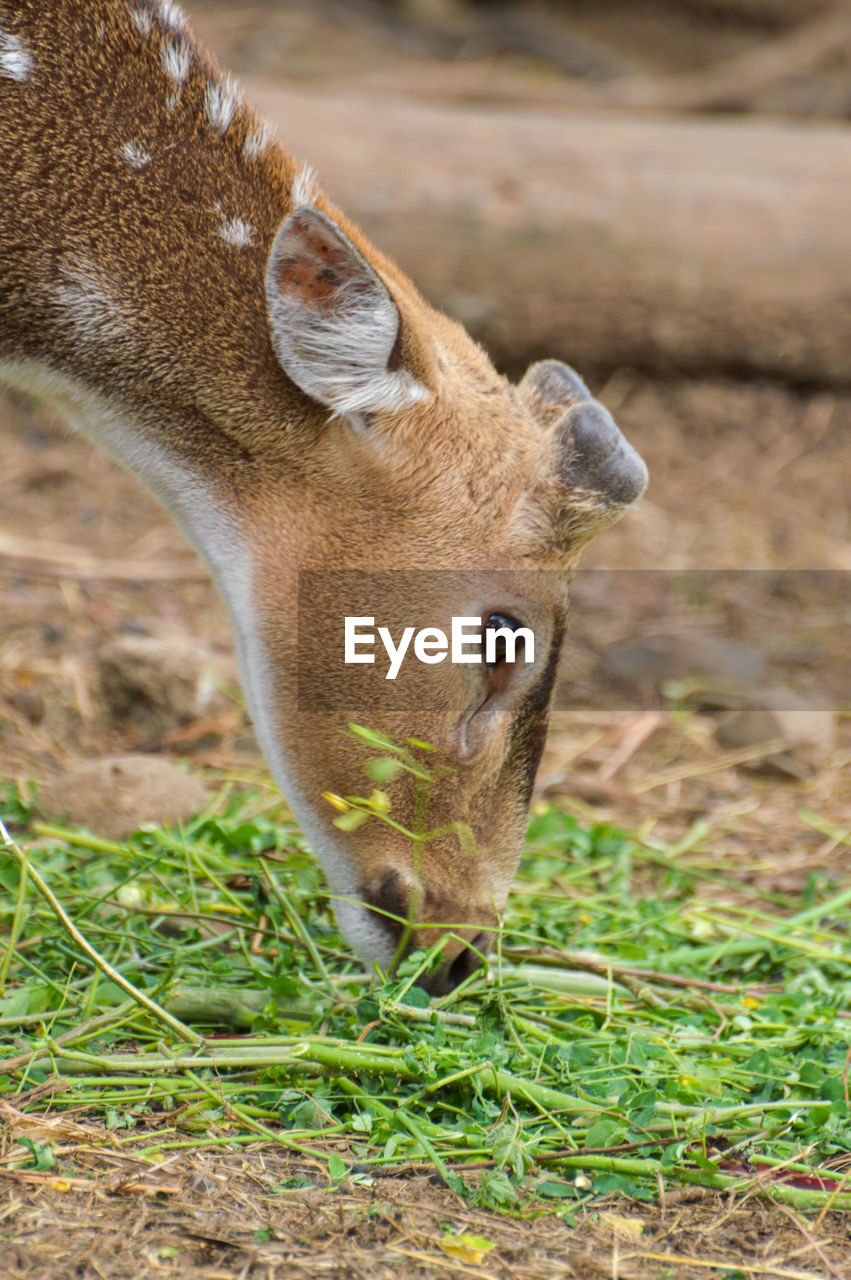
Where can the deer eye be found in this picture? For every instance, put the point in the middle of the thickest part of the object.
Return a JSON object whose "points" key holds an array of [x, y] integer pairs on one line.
{"points": [[495, 645]]}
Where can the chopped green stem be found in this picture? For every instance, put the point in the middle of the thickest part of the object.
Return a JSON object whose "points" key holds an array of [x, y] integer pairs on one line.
{"points": [[184, 1032], [646, 1167]]}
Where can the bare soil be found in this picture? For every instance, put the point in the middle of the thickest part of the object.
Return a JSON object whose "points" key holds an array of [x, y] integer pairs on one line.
{"points": [[106, 1214], [744, 476]]}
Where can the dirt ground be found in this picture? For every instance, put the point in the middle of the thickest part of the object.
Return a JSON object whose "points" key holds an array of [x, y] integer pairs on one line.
{"points": [[262, 1214], [106, 1213], [745, 477]]}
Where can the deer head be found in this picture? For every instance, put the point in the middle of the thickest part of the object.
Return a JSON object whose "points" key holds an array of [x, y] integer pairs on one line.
{"points": [[444, 492]]}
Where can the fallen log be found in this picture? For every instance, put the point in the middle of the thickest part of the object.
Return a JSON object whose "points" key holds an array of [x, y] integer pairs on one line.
{"points": [[736, 83], [677, 246]]}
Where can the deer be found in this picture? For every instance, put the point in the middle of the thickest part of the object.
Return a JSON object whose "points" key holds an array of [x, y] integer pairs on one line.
{"points": [[184, 290]]}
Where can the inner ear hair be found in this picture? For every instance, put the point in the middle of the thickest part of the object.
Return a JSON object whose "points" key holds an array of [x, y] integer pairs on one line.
{"points": [[333, 322]]}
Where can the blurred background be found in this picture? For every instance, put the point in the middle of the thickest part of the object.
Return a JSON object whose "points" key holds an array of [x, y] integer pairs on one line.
{"points": [[657, 191]]}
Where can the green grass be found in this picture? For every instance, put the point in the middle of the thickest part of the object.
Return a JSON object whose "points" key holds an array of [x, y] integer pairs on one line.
{"points": [[636, 1022]]}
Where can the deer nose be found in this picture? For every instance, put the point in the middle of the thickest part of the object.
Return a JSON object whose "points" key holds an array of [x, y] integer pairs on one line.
{"points": [[388, 898], [459, 968]]}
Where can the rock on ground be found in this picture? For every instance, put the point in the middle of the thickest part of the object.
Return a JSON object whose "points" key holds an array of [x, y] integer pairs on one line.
{"points": [[115, 796]]}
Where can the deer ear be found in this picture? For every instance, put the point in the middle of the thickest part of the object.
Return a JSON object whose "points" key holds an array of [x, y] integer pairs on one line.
{"points": [[334, 324]]}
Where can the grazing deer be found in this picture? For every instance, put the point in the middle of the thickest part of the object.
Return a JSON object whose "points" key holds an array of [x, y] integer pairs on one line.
{"points": [[195, 304]]}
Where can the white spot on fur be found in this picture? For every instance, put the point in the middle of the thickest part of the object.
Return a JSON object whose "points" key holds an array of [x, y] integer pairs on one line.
{"points": [[304, 187], [171, 16], [257, 141], [16, 61], [221, 102], [175, 56], [89, 304], [235, 232], [134, 154], [143, 21]]}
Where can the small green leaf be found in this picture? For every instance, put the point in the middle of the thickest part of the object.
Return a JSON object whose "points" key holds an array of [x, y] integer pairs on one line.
{"points": [[605, 1132], [372, 738], [468, 1248], [383, 768], [351, 821], [556, 1190], [42, 1153], [379, 801]]}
